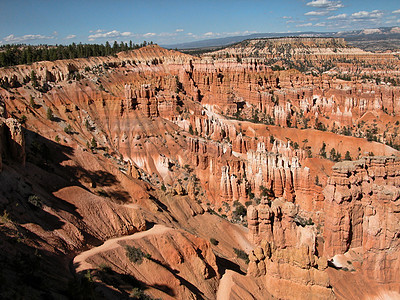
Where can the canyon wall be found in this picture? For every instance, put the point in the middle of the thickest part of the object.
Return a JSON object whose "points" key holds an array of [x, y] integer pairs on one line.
{"points": [[362, 211], [158, 137], [286, 256]]}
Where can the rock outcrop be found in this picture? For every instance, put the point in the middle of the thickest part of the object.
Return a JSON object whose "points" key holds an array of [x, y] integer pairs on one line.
{"points": [[362, 212], [12, 140], [153, 137], [286, 256], [180, 261]]}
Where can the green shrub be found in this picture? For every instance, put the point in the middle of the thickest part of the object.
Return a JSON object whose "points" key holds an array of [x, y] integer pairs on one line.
{"points": [[23, 119], [214, 242], [68, 129], [5, 218], [136, 255], [105, 268], [241, 254], [35, 201], [302, 222], [138, 294], [240, 210], [49, 114]]}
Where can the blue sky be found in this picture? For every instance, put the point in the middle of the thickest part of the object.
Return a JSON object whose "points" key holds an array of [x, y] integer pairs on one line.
{"points": [[170, 22]]}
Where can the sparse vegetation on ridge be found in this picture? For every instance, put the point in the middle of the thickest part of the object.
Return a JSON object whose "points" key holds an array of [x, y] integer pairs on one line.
{"points": [[19, 54]]}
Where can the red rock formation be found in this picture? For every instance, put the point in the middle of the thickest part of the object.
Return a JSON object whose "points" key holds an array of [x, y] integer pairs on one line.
{"points": [[180, 261], [361, 211], [286, 255], [12, 140], [177, 138]]}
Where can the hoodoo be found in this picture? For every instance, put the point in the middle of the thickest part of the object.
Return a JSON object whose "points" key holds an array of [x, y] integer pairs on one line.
{"points": [[267, 169]]}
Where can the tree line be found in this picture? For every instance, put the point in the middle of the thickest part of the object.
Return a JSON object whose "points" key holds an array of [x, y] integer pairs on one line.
{"points": [[19, 54]]}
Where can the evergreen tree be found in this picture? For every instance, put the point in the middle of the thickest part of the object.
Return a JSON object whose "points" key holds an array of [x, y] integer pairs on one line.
{"points": [[107, 48], [34, 81], [322, 151], [93, 143], [317, 180], [22, 54], [32, 102], [49, 114], [335, 156], [347, 156]]}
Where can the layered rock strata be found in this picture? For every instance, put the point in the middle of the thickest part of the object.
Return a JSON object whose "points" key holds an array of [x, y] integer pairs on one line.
{"points": [[362, 212], [286, 256]]}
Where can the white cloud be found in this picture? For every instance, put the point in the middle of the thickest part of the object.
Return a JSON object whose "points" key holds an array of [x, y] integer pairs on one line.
{"points": [[110, 34], [341, 16], [321, 24], [304, 25], [286, 17], [327, 4], [96, 31], [71, 36], [225, 34], [396, 11], [391, 21], [316, 13], [167, 34], [367, 15], [25, 38], [360, 14], [149, 34], [249, 32], [179, 30]]}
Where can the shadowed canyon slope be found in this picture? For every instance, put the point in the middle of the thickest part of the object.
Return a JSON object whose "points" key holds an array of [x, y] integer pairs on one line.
{"points": [[268, 168]]}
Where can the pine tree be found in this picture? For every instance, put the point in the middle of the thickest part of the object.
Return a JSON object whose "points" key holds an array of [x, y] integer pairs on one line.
{"points": [[93, 143], [322, 151], [35, 83], [49, 114], [347, 156], [317, 180], [32, 102]]}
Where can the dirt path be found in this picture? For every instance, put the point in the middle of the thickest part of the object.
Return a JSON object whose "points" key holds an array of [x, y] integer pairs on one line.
{"points": [[80, 260], [225, 286]]}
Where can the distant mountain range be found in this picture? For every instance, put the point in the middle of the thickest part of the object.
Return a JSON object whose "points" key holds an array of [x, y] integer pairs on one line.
{"points": [[367, 39]]}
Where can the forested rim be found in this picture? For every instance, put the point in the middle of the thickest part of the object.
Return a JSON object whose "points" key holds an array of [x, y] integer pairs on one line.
{"points": [[19, 54]]}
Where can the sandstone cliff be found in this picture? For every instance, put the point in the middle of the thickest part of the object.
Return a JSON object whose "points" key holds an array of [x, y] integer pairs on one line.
{"points": [[364, 194], [107, 147]]}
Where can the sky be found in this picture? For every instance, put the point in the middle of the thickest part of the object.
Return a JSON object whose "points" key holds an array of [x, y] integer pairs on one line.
{"points": [[168, 22]]}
